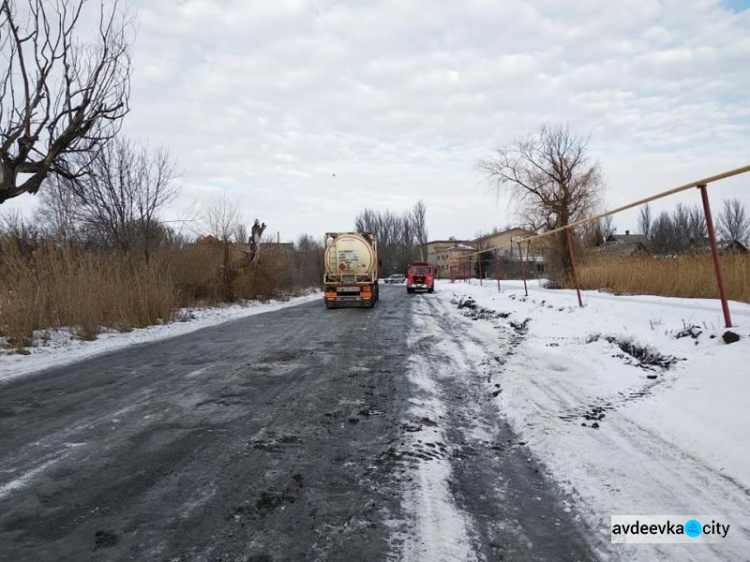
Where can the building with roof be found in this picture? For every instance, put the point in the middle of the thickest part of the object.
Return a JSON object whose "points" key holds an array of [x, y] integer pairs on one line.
{"points": [[445, 257], [432, 248], [625, 245], [501, 245]]}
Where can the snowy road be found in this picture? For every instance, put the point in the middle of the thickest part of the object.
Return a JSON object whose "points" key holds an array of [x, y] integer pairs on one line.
{"points": [[300, 434]]}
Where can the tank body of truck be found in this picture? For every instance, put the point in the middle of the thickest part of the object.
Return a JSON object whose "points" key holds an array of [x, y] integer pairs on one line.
{"points": [[351, 270], [420, 276]]}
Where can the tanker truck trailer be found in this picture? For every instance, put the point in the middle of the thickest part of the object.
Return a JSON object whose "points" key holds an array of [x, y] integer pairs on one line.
{"points": [[351, 270]]}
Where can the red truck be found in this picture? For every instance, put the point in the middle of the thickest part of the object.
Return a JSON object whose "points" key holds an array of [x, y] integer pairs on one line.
{"points": [[420, 277]]}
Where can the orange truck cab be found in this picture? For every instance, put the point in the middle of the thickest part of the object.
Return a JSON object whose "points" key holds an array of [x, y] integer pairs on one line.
{"points": [[420, 277]]}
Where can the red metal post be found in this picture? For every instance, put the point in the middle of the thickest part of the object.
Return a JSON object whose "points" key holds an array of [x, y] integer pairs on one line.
{"points": [[527, 255], [497, 272], [523, 269], [715, 255], [573, 264]]}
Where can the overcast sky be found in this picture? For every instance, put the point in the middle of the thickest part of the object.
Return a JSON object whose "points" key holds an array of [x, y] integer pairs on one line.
{"points": [[264, 101]]}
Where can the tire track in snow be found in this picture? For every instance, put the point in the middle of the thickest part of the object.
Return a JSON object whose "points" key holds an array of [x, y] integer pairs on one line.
{"points": [[510, 509], [436, 529]]}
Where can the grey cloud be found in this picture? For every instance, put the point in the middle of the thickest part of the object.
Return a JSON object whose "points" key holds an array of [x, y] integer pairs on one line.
{"points": [[266, 100]]}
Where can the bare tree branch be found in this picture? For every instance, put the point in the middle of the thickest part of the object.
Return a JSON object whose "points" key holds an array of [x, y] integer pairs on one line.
{"points": [[645, 221], [419, 222], [549, 178], [120, 197], [734, 223], [60, 97]]}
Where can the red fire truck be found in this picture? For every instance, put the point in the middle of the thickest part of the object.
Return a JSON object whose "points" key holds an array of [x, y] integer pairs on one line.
{"points": [[420, 277]]}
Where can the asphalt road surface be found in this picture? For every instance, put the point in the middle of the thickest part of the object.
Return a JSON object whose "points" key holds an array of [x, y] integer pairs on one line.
{"points": [[303, 434]]}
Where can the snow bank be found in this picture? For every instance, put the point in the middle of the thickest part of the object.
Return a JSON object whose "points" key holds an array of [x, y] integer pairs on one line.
{"points": [[624, 435], [61, 348]]}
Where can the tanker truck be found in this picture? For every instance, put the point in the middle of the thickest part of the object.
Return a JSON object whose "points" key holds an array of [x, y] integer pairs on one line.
{"points": [[351, 270]]}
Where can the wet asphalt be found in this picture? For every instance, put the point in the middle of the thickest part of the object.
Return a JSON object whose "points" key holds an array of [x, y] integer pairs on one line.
{"points": [[264, 439]]}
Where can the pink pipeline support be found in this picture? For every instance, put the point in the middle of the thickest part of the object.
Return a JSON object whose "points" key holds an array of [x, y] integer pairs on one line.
{"points": [[715, 255], [497, 273], [573, 264], [523, 270]]}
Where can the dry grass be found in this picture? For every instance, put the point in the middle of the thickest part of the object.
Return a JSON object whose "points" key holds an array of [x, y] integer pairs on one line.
{"points": [[683, 276], [45, 286], [198, 273], [56, 287]]}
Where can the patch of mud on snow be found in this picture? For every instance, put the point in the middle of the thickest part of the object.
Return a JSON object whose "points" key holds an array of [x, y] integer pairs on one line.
{"points": [[635, 405], [62, 348]]}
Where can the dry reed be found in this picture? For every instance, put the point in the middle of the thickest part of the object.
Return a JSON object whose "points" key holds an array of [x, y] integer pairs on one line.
{"points": [[54, 287], [682, 276], [44, 285]]}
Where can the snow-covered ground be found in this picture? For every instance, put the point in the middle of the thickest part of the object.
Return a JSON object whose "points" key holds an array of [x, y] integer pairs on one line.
{"points": [[62, 348], [621, 437]]}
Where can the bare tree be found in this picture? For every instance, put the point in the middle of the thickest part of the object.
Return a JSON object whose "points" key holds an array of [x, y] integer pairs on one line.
{"points": [[665, 238], [240, 234], [395, 235], [734, 223], [550, 178], [60, 97], [14, 223], [419, 226], [222, 219], [256, 233], [697, 229], [121, 195], [310, 261], [689, 225], [596, 233], [58, 213], [645, 220], [20, 231]]}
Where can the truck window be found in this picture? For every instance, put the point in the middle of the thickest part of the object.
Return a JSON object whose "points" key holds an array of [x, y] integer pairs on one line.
{"points": [[420, 269]]}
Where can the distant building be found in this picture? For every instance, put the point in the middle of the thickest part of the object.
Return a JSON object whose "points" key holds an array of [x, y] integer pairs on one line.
{"points": [[435, 255], [703, 246], [735, 247], [625, 245], [505, 244], [444, 258]]}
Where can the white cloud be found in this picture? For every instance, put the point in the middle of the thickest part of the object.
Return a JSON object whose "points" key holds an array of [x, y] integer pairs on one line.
{"points": [[267, 100]]}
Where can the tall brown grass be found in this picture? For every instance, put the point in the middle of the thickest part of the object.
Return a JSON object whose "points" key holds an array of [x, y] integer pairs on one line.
{"points": [[681, 276], [47, 285], [208, 274], [52, 287]]}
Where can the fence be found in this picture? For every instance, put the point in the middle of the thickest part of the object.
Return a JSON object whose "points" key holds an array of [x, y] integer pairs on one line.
{"points": [[463, 267]]}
